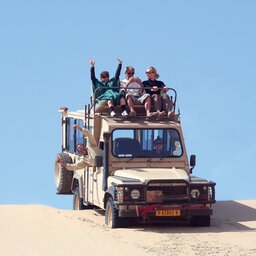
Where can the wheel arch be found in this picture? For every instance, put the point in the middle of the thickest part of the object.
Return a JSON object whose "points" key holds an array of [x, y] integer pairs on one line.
{"points": [[77, 181], [110, 192]]}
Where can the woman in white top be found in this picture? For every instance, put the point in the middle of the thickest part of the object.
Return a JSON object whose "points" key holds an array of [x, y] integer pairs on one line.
{"points": [[134, 92]]}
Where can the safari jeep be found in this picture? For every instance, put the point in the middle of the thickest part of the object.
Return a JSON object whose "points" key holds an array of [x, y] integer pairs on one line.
{"points": [[129, 180]]}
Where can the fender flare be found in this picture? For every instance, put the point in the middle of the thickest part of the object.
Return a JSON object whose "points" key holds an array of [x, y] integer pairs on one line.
{"points": [[77, 179], [110, 192]]}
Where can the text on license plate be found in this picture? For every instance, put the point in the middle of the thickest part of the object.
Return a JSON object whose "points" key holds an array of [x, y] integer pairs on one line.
{"points": [[167, 212]]}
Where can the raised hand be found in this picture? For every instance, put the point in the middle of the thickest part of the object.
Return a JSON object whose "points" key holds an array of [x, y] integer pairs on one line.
{"points": [[92, 62]]}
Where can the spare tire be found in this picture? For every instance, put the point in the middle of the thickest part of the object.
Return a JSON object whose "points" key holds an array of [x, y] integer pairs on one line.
{"points": [[63, 177]]}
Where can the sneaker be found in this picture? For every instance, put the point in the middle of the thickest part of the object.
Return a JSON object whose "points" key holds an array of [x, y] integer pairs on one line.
{"points": [[124, 113], [112, 113], [132, 114]]}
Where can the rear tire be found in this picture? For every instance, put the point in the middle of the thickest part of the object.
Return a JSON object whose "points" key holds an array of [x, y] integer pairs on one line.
{"points": [[112, 219], [201, 221], [63, 177]]}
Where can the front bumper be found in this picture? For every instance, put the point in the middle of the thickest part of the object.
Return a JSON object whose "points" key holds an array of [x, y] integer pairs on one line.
{"points": [[148, 212]]}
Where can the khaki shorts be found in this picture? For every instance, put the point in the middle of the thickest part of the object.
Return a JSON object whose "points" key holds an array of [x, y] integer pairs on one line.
{"points": [[138, 100]]}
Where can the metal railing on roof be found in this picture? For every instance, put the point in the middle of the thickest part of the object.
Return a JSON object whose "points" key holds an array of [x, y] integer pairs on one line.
{"points": [[94, 99]]}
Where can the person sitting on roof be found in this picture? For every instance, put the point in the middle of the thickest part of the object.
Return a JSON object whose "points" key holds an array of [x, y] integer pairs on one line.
{"points": [[157, 89], [106, 91], [86, 155], [133, 89]]}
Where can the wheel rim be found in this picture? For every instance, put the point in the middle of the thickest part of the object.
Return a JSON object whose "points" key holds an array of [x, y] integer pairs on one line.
{"points": [[110, 215], [76, 202]]}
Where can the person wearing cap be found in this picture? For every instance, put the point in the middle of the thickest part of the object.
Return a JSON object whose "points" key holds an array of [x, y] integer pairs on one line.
{"points": [[134, 92], [158, 147], [106, 91], [86, 155], [157, 89]]}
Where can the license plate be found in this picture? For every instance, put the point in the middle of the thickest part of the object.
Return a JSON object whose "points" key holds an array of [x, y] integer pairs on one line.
{"points": [[167, 213]]}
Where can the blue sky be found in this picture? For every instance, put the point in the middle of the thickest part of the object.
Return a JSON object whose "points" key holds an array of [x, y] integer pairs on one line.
{"points": [[206, 50]]}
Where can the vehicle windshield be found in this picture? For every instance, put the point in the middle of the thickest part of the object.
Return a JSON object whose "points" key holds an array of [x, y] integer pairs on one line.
{"points": [[161, 143]]}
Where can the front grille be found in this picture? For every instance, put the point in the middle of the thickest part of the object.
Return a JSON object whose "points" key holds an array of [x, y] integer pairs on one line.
{"points": [[168, 191], [172, 193]]}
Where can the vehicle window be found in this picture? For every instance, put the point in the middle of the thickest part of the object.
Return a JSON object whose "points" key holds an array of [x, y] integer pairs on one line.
{"points": [[146, 143], [73, 136], [70, 135], [79, 137]]}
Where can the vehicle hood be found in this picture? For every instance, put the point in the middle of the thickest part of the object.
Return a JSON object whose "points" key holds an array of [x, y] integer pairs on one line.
{"points": [[146, 174]]}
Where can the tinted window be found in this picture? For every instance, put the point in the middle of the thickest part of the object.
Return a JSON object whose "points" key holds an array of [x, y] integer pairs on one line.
{"points": [[79, 137], [146, 143], [70, 134], [73, 136]]}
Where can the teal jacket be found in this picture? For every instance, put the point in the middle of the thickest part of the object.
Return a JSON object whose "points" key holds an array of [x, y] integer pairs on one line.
{"points": [[106, 91]]}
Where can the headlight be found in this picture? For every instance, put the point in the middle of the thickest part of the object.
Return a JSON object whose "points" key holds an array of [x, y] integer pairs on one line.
{"points": [[205, 189], [195, 193], [129, 194], [135, 194]]}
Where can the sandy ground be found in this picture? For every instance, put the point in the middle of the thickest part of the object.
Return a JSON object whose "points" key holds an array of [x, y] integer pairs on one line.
{"points": [[40, 230]]}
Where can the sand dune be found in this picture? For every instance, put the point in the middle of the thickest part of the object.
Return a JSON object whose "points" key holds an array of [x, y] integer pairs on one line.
{"points": [[42, 230]]}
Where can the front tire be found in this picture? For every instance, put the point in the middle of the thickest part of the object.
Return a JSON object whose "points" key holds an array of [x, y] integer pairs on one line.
{"points": [[112, 219], [63, 177], [77, 200]]}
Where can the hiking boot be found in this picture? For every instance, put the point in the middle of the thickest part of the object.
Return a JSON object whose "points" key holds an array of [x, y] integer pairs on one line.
{"points": [[132, 114], [171, 115], [161, 115], [154, 114], [149, 116]]}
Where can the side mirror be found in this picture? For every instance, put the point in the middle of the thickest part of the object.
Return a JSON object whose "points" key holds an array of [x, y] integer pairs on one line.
{"points": [[192, 160], [98, 161], [101, 146]]}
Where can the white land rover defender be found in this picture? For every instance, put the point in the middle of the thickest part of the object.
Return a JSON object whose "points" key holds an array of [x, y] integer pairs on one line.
{"points": [[130, 180]]}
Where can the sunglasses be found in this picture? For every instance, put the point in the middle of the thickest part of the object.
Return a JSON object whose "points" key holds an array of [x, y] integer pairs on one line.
{"points": [[130, 73], [150, 72], [104, 77]]}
